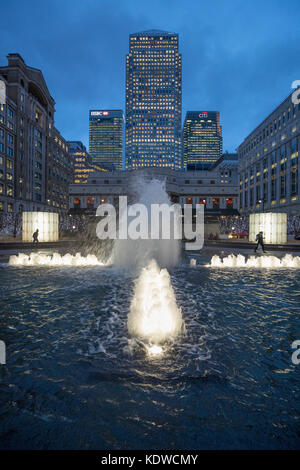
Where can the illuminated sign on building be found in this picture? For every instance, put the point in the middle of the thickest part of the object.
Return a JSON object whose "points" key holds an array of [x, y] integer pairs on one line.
{"points": [[203, 114], [99, 113]]}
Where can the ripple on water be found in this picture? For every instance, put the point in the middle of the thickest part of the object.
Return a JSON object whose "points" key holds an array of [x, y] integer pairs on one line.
{"points": [[75, 379]]}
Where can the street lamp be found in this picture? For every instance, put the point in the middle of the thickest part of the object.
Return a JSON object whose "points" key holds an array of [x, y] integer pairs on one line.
{"points": [[263, 203]]}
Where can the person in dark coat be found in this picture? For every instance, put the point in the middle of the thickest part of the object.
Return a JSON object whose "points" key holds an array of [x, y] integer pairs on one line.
{"points": [[35, 236], [260, 241]]}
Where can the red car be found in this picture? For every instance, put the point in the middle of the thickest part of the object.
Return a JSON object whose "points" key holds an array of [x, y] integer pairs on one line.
{"points": [[239, 235]]}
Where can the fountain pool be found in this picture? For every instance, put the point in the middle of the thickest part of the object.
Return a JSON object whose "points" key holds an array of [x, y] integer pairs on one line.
{"points": [[76, 378]]}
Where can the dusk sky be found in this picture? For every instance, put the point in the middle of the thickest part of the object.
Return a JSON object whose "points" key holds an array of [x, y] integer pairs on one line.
{"points": [[239, 57]]}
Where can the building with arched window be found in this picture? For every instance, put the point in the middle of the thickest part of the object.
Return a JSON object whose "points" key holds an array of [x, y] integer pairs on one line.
{"points": [[218, 194]]}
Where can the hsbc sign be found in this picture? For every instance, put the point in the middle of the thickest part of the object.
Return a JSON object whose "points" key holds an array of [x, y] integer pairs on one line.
{"points": [[99, 113]]}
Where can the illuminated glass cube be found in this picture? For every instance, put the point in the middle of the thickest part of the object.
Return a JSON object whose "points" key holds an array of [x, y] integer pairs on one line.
{"points": [[45, 222], [272, 224]]}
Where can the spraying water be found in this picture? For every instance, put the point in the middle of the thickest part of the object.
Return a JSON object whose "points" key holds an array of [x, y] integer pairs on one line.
{"points": [[154, 315], [41, 259], [239, 261], [138, 253]]}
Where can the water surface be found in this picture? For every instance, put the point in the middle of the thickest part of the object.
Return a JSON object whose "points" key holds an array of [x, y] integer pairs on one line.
{"points": [[74, 378]]}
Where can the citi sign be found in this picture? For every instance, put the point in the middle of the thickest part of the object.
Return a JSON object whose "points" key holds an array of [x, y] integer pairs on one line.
{"points": [[204, 114], [99, 113]]}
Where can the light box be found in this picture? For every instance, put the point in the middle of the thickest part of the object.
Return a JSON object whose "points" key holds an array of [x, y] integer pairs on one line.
{"points": [[45, 222], [272, 224]]}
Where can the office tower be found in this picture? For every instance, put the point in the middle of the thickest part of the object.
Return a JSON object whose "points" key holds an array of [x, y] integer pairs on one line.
{"points": [[153, 101], [106, 137], [202, 139], [268, 163], [35, 166], [82, 162]]}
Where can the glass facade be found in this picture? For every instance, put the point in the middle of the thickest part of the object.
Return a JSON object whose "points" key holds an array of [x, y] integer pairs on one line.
{"points": [[153, 101], [106, 137], [202, 138]]}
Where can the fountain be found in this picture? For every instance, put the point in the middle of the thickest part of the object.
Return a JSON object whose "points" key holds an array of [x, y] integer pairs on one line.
{"points": [[240, 261], [138, 253], [56, 259], [154, 315]]}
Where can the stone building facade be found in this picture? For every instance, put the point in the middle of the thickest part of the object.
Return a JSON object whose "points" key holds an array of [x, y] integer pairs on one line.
{"points": [[269, 177], [217, 189], [35, 165]]}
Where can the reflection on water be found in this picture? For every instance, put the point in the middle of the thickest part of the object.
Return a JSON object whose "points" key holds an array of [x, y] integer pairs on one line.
{"points": [[75, 378], [155, 350]]}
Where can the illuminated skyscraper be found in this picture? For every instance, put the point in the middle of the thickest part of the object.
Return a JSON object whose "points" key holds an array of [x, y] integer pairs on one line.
{"points": [[153, 100], [202, 139], [106, 129], [82, 162]]}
